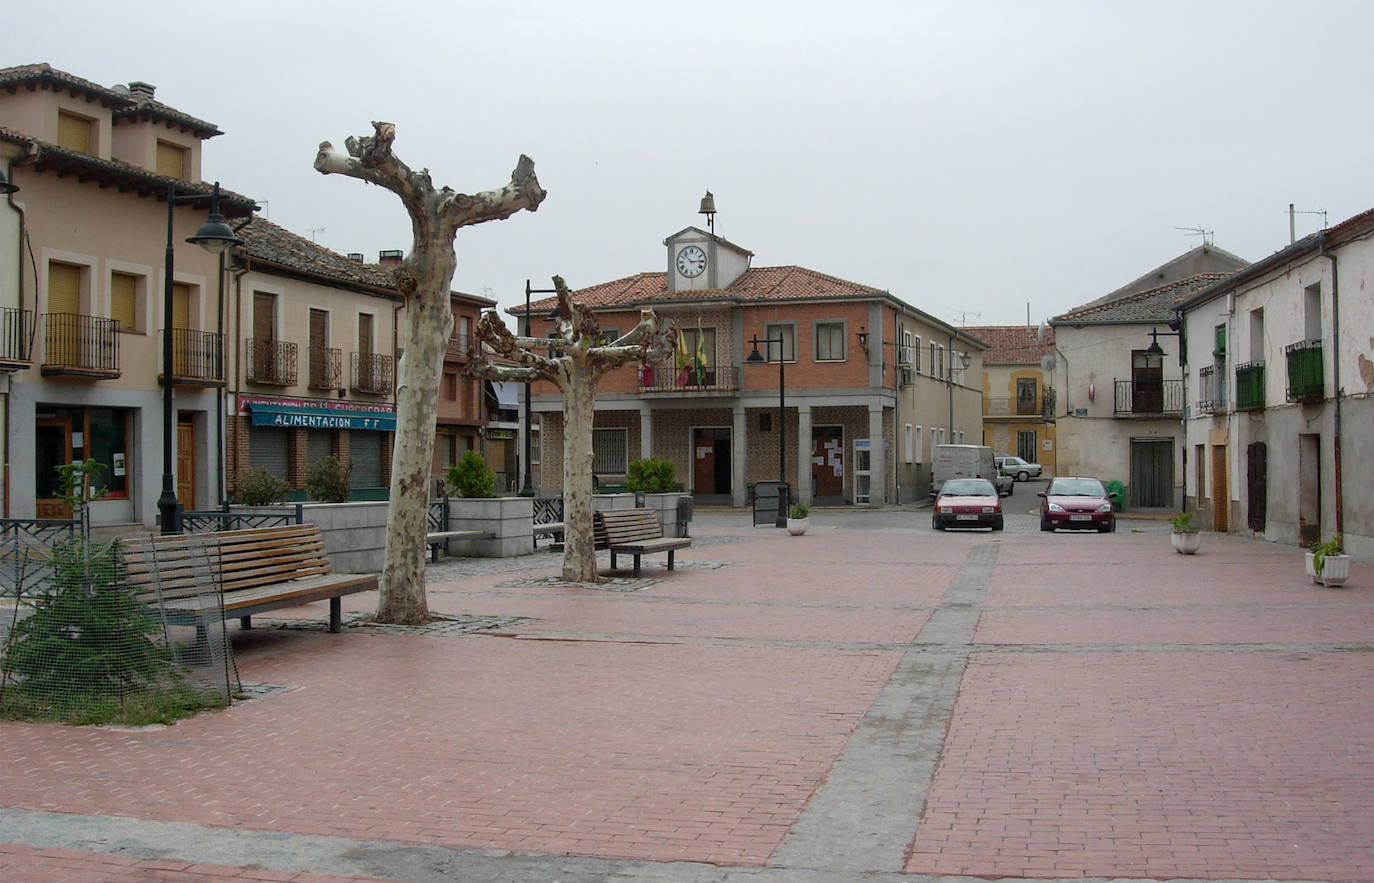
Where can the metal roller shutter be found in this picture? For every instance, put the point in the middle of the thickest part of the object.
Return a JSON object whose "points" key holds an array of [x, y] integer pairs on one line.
{"points": [[365, 450], [267, 447]]}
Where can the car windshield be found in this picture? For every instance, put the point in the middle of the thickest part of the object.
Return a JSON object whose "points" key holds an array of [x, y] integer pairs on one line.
{"points": [[1077, 487], [968, 487]]}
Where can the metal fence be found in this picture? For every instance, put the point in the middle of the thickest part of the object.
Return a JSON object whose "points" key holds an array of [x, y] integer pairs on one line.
{"points": [[113, 631], [225, 519]]}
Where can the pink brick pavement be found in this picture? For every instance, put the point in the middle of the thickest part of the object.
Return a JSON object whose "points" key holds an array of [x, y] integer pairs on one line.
{"points": [[696, 718], [21, 862]]}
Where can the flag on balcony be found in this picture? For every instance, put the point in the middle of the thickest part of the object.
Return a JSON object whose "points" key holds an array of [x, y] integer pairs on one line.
{"points": [[701, 355], [680, 358]]}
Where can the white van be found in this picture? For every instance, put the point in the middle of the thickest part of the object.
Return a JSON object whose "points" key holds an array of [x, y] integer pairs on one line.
{"points": [[967, 461]]}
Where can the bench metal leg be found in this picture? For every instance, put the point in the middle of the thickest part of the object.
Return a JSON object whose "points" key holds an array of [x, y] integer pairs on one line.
{"points": [[613, 560], [636, 565], [336, 614], [670, 558], [245, 622]]}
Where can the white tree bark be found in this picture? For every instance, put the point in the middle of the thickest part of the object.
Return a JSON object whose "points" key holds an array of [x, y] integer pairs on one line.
{"points": [[575, 364], [425, 279]]}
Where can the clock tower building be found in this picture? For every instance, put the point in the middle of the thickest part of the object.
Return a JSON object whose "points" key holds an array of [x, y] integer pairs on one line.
{"points": [[701, 261]]}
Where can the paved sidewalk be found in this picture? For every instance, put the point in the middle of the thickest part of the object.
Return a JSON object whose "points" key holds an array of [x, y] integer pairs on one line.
{"points": [[869, 701]]}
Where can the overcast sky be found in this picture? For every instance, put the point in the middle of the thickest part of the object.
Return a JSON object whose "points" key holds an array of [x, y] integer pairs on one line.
{"points": [[980, 160]]}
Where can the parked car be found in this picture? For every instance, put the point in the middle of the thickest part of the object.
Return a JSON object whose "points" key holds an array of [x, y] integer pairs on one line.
{"points": [[967, 502], [1017, 468], [1079, 503]]}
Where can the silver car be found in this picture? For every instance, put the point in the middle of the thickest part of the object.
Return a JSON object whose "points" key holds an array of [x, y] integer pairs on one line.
{"points": [[1017, 468]]}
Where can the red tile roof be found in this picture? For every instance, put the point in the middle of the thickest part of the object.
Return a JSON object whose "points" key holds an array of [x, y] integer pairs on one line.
{"points": [[756, 284], [1012, 344]]}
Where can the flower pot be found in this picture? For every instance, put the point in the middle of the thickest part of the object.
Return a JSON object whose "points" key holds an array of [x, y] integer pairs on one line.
{"points": [[797, 526], [1185, 543], [1335, 571]]}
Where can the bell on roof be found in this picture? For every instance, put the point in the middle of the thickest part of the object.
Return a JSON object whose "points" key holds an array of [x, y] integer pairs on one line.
{"points": [[708, 208]]}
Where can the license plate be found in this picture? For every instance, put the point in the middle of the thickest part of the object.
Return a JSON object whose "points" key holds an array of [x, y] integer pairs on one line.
{"points": [[1080, 518], [966, 517]]}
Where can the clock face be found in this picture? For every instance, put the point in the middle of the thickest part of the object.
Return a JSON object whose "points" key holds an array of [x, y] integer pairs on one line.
{"points": [[691, 261]]}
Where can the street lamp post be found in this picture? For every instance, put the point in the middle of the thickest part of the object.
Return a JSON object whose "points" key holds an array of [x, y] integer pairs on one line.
{"points": [[214, 236], [528, 489], [756, 359]]}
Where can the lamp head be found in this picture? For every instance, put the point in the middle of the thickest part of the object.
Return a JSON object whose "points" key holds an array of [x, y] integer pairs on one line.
{"points": [[1154, 349], [214, 235], [755, 357], [5, 186]]}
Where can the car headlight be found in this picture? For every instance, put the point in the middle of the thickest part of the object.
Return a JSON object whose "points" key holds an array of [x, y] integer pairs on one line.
{"points": [[1105, 507], [988, 510], [946, 510], [1055, 507]]}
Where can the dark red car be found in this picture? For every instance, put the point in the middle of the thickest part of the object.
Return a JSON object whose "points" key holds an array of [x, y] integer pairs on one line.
{"points": [[967, 502], [1077, 503]]}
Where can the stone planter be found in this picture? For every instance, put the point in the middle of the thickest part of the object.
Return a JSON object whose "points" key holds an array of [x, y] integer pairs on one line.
{"points": [[1186, 543], [509, 520], [1335, 570], [797, 526]]}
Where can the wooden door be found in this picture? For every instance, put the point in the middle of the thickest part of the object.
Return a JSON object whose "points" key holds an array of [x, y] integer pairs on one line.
{"points": [[264, 334], [1221, 491], [827, 461], [186, 465], [1256, 485], [181, 321]]}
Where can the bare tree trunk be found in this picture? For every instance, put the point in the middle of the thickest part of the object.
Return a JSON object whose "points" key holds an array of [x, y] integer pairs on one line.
{"points": [[579, 416], [417, 400], [424, 279]]}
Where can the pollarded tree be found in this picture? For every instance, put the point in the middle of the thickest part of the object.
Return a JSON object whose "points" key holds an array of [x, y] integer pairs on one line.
{"points": [[575, 363], [424, 278]]}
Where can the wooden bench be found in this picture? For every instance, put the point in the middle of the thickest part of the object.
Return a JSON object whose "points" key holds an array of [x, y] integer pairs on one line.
{"points": [[634, 532], [260, 569], [439, 539]]}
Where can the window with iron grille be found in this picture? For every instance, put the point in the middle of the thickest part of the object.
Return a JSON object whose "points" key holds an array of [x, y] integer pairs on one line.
{"points": [[610, 451]]}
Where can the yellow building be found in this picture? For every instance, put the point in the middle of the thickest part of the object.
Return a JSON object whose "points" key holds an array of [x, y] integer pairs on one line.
{"points": [[1018, 402]]}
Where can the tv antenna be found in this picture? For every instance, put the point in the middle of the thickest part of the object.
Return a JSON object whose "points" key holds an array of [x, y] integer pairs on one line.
{"points": [[315, 230], [1292, 226], [1198, 231], [964, 314]]}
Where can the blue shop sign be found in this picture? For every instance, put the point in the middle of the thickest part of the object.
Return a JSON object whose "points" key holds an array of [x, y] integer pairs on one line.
{"points": [[292, 417]]}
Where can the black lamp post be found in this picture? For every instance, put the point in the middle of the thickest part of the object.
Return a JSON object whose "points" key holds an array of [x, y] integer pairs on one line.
{"points": [[214, 236], [756, 359], [528, 489]]}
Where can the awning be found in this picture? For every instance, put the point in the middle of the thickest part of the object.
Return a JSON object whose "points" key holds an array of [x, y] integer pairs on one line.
{"points": [[290, 416], [507, 394]]}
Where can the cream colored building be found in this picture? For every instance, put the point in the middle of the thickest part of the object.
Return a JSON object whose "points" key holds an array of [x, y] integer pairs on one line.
{"points": [[1280, 375]]}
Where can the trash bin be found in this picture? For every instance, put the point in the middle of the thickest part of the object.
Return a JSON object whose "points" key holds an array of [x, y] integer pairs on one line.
{"points": [[1116, 492]]}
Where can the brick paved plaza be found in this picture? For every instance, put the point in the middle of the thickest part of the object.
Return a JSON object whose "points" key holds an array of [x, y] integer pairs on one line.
{"points": [[869, 701]]}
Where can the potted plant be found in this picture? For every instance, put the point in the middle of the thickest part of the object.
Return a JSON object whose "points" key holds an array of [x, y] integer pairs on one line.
{"points": [[1327, 564], [798, 518], [1185, 535]]}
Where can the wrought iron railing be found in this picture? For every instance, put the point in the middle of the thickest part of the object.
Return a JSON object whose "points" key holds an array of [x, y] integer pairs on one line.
{"points": [[372, 373], [25, 545], [666, 376], [436, 516], [1250, 386], [227, 519], [1149, 397], [81, 343], [1211, 390], [1306, 380], [197, 355], [16, 335], [459, 346], [270, 362], [326, 368], [548, 510]]}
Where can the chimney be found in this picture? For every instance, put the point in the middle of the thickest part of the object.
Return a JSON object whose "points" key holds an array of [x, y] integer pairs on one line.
{"points": [[390, 257], [140, 89], [356, 257]]}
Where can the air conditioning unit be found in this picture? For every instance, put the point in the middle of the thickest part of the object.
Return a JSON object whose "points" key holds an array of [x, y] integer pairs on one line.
{"points": [[906, 374], [905, 355]]}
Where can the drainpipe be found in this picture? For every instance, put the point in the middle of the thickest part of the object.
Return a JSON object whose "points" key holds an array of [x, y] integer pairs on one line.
{"points": [[1335, 378], [18, 209]]}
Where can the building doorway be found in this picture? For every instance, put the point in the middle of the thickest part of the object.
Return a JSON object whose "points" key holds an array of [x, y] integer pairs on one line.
{"points": [[186, 463], [827, 464], [1152, 473], [53, 438], [1309, 489], [710, 460]]}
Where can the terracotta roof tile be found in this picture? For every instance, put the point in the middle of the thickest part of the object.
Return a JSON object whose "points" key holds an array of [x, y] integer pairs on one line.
{"points": [[127, 105], [1012, 344], [756, 284], [1153, 305], [265, 241]]}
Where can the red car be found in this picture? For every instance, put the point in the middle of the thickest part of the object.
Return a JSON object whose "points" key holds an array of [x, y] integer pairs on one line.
{"points": [[967, 502], [1078, 503]]}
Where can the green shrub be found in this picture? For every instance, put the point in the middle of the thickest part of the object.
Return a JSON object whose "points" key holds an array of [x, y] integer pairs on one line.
{"points": [[327, 479], [1183, 523], [652, 475], [799, 510], [471, 477], [88, 653], [258, 487]]}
